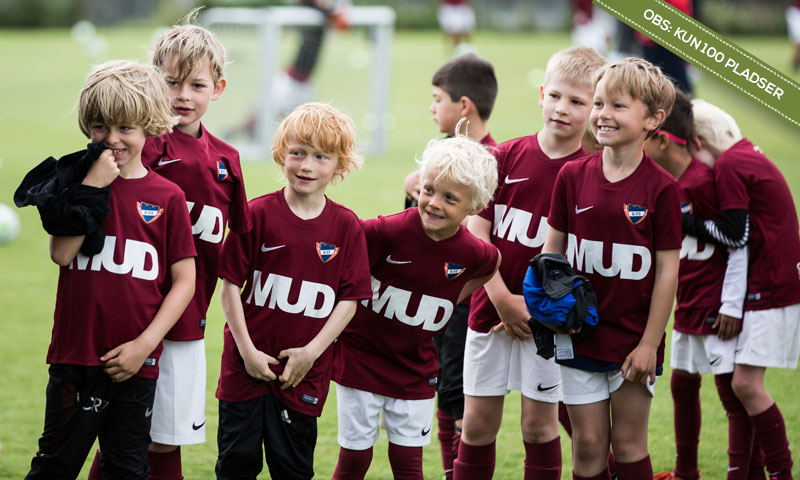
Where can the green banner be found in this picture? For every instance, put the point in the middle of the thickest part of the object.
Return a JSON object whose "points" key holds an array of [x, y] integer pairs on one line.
{"points": [[709, 51]]}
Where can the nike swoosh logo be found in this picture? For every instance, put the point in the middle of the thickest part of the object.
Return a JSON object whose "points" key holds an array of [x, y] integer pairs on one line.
{"points": [[396, 262], [167, 162], [544, 389], [148, 412], [198, 427], [578, 211], [714, 360], [265, 248], [515, 180], [425, 432]]}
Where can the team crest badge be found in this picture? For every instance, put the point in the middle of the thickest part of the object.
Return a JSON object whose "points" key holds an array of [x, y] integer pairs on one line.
{"points": [[635, 213], [222, 171], [453, 270], [326, 251], [148, 211], [686, 208]]}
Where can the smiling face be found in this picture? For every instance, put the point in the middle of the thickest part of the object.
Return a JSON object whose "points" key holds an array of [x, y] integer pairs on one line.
{"points": [[443, 205], [617, 119], [565, 108], [191, 96], [446, 112], [125, 142], [308, 169]]}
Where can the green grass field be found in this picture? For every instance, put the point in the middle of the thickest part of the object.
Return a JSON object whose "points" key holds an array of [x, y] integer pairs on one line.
{"points": [[43, 74]]}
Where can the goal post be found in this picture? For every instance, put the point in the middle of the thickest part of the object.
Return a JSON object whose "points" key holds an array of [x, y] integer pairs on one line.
{"points": [[269, 24]]}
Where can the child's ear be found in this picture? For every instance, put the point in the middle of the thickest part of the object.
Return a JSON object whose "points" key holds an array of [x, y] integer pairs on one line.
{"points": [[466, 105], [219, 88], [655, 120], [541, 95]]}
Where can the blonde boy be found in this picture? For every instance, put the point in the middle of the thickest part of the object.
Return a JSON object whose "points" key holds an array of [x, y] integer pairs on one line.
{"points": [[423, 262], [289, 288], [104, 354], [615, 214], [500, 354], [191, 60]]}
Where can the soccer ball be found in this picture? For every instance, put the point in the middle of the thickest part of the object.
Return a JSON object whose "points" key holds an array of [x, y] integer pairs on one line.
{"points": [[9, 224]]}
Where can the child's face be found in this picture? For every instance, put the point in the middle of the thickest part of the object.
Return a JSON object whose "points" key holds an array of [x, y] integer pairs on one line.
{"points": [[618, 119], [565, 108], [308, 169], [443, 206], [125, 142], [191, 98], [446, 112]]}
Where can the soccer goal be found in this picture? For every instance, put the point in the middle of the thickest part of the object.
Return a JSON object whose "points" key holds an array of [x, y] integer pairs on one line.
{"points": [[354, 76]]}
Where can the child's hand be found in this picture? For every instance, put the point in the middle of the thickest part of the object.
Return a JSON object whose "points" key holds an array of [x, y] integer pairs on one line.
{"points": [[300, 362], [257, 365], [103, 171], [513, 317], [122, 362], [727, 327], [640, 365]]}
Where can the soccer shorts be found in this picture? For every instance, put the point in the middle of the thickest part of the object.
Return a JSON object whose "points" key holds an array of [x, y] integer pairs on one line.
{"points": [[495, 364], [456, 19], [793, 23], [407, 422], [770, 338], [83, 404], [582, 387], [701, 354], [288, 437], [179, 411]]}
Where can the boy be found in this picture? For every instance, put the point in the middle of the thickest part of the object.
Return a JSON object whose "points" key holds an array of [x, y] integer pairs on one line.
{"points": [[756, 210], [464, 90], [615, 215], [704, 338], [191, 59], [391, 370], [499, 343], [104, 354], [300, 272]]}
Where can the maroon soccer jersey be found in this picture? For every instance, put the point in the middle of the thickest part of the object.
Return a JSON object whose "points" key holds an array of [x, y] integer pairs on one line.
{"points": [[518, 213], [109, 299], [746, 179], [293, 272], [613, 231], [388, 348], [208, 171], [703, 265]]}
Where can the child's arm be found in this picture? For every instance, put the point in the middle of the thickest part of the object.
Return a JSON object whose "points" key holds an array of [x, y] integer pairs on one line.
{"points": [[640, 364], [256, 362], [102, 172], [555, 241], [125, 360], [476, 283], [302, 359], [734, 289], [511, 308]]}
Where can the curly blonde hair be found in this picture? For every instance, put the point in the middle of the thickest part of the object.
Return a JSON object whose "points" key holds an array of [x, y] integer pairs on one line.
{"points": [[123, 92]]}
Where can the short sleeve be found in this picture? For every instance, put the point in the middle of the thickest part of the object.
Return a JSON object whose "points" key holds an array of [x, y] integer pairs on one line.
{"points": [[236, 258], [491, 254], [732, 190], [179, 230], [355, 283], [557, 218], [241, 220], [373, 234], [667, 228], [153, 150]]}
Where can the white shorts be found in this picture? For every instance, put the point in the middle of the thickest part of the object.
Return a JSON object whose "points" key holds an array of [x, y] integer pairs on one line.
{"points": [[582, 387], [770, 338], [702, 354], [793, 23], [179, 409], [495, 364], [456, 19], [407, 423]]}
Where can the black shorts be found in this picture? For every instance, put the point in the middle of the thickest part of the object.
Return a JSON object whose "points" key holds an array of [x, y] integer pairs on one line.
{"points": [[84, 404], [450, 347], [288, 437]]}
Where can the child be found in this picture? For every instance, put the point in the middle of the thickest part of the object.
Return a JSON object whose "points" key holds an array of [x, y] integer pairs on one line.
{"points": [[300, 272], [464, 90], [707, 313], [113, 309], [191, 59], [423, 262], [496, 362], [756, 210], [615, 214]]}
